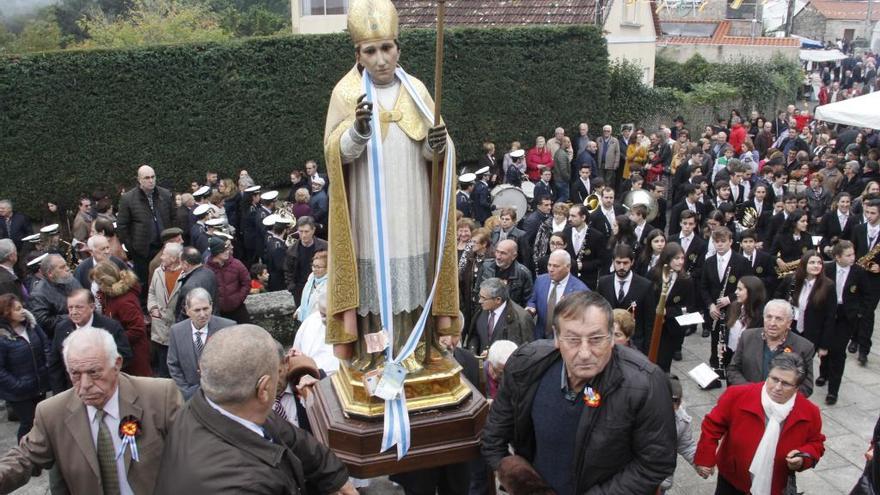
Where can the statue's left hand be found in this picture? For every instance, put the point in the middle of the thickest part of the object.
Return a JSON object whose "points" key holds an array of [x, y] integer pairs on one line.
{"points": [[437, 138]]}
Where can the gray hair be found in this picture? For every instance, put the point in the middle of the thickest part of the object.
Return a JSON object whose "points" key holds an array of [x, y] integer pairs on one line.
{"points": [[853, 165], [88, 338], [500, 351], [47, 264], [563, 256], [233, 361], [7, 203], [7, 249], [780, 303], [173, 249], [495, 287], [198, 293], [92, 239], [790, 361]]}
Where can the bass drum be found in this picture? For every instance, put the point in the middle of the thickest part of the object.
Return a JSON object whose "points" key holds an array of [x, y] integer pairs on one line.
{"points": [[528, 188], [508, 196]]}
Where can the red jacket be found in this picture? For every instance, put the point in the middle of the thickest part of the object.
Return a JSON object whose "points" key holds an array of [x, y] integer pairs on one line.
{"points": [[126, 309], [233, 283], [535, 159], [737, 138], [739, 410]]}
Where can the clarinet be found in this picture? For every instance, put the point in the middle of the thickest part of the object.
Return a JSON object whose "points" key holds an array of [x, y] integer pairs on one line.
{"points": [[720, 326]]}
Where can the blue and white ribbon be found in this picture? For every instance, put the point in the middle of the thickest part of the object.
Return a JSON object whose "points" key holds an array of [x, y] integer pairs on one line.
{"points": [[128, 440], [396, 426]]}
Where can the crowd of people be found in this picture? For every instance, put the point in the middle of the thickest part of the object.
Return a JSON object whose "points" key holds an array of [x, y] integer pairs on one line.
{"points": [[767, 227]]}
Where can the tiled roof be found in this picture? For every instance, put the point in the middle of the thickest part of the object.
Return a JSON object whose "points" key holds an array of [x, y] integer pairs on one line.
{"points": [[849, 10], [720, 37], [422, 13]]}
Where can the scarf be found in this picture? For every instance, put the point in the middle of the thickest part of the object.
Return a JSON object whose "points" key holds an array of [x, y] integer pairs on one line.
{"points": [[762, 463], [307, 305]]}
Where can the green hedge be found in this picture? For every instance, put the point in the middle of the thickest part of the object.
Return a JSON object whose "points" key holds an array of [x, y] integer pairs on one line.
{"points": [[73, 121]]}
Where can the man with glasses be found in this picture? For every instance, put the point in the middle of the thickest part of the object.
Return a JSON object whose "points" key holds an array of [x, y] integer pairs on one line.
{"points": [[581, 413], [758, 346], [499, 318], [82, 223]]}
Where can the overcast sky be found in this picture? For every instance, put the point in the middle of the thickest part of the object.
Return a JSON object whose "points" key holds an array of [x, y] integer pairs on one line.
{"points": [[10, 8]]}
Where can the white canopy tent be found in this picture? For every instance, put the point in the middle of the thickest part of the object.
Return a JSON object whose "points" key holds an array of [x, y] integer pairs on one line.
{"points": [[821, 55], [861, 111]]}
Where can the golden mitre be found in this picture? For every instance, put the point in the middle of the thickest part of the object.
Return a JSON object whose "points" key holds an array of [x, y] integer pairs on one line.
{"points": [[372, 20]]}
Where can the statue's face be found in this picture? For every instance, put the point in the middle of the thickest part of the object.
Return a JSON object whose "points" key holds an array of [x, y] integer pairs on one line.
{"points": [[379, 58]]}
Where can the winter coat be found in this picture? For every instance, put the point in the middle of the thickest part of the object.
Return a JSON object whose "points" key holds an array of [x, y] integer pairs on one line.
{"points": [[48, 303], [233, 283], [134, 222], [23, 371], [120, 302], [739, 410], [626, 445], [158, 297]]}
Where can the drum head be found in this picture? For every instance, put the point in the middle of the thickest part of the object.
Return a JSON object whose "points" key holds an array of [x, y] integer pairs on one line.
{"points": [[511, 197], [529, 189]]}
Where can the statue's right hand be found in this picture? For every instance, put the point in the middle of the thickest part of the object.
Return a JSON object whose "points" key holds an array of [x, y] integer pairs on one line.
{"points": [[362, 114]]}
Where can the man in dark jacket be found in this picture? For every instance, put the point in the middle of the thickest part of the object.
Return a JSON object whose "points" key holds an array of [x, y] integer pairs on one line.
{"points": [[581, 414], [194, 274], [513, 273], [81, 313], [48, 301], [13, 225], [228, 435], [298, 258], [9, 281], [143, 213]]}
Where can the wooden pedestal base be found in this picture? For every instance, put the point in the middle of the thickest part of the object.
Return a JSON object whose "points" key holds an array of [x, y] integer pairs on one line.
{"points": [[439, 437]]}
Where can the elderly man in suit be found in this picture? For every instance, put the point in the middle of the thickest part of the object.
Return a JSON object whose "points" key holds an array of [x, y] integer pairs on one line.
{"points": [[228, 437], [549, 289], [758, 346], [500, 318], [9, 281], [623, 289], [13, 225], [81, 313], [77, 430], [99, 246], [187, 340], [194, 274]]}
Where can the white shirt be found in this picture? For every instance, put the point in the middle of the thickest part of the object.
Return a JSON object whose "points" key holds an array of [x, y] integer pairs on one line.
{"points": [[560, 288], [88, 324], [609, 214], [250, 425], [750, 257], [841, 217], [710, 249], [734, 334], [622, 284], [111, 419], [586, 184], [577, 238], [690, 206], [686, 241], [559, 227], [722, 261], [288, 402], [872, 235], [195, 333], [496, 314], [842, 274], [639, 229], [803, 300]]}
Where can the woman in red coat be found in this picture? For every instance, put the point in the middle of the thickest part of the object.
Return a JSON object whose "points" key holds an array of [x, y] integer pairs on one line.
{"points": [[537, 159], [766, 430], [118, 294]]}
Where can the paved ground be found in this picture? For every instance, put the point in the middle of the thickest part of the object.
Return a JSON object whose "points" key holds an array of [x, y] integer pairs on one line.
{"points": [[848, 426]]}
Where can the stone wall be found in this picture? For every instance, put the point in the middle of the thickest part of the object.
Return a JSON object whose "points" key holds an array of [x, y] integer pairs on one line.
{"points": [[834, 28], [273, 311], [809, 23]]}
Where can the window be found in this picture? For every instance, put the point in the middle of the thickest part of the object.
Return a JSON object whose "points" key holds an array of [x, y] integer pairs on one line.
{"points": [[324, 7], [630, 12]]}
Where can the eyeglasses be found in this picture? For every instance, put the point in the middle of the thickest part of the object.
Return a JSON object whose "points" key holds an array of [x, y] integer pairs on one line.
{"points": [[594, 341], [485, 298], [773, 382]]}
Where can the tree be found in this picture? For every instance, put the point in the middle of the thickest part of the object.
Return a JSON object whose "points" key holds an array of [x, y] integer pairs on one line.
{"points": [[151, 22], [38, 34]]}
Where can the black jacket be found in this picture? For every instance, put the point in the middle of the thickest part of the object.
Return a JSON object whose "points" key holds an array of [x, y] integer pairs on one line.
{"points": [[134, 222], [585, 264], [518, 278], [481, 200], [203, 277], [48, 303], [23, 373], [10, 284], [818, 318], [711, 285], [829, 228], [58, 378], [855, 294], [641, 293], [626, 445]]}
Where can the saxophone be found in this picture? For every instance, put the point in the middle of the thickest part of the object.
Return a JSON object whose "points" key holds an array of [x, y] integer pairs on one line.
{"points": [[869, 257]]}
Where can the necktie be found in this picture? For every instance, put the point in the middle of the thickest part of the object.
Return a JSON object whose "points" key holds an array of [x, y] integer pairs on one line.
{"points": [[106, 457], [685, 242], [490, 326], [551, 308], [621, 293], [279, 408], [841, 280], [200, 346]]}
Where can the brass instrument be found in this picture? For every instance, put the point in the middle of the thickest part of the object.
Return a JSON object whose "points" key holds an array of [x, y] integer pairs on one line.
{"points": [[747, 217], [642, 197], [592, 202], [659, 316], [285, 210], [788, 268], [869, 257]]}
